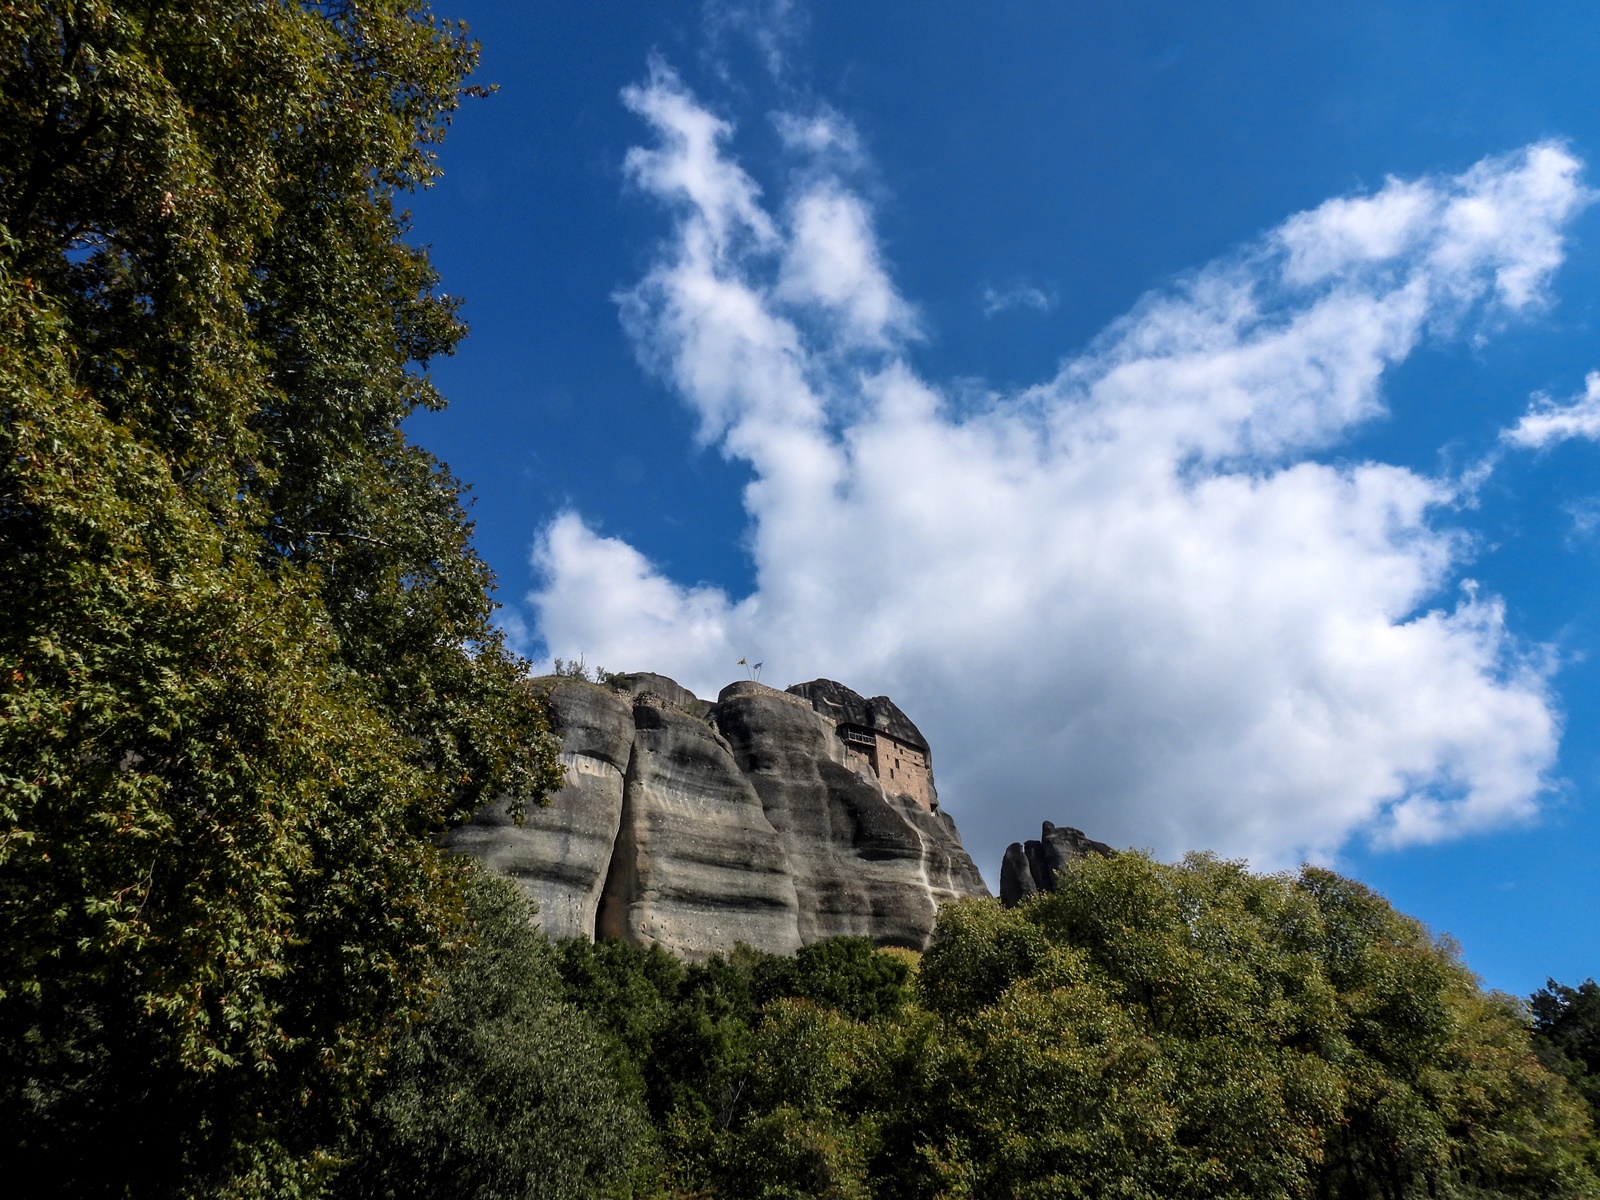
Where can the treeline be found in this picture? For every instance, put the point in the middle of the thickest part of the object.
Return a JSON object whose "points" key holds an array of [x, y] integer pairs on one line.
{"points": [[1147, 1031]]}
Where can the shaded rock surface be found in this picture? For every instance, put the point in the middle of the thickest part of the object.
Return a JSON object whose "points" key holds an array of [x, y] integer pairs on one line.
{"points": [[697, 826], [1034, 866], [838, 704], [649, 688]]}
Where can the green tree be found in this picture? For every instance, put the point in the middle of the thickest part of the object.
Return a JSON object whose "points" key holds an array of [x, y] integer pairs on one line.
{"points": [[247, 672], [627, 991], [799, 1136], [844, 973], [700, 1055], [1566, 1032], [504, 1090], [748, 1061], [1149, 1030], [1444, 1095]]}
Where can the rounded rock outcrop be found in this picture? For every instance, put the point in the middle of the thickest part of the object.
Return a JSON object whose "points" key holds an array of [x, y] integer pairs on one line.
{"points": [[697, 826]]}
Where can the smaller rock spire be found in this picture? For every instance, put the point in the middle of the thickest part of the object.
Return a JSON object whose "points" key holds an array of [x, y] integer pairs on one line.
{"points": [[1030, 867]]}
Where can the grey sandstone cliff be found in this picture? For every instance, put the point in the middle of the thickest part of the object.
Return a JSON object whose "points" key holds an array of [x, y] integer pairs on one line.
{"points": [[561, 853], [770, 818], [696, 866]]}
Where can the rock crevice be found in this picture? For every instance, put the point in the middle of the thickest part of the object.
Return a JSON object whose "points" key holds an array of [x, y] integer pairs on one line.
{"points": [[698, 826]]}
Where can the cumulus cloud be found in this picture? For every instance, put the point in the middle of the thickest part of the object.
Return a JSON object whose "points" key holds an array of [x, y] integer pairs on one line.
{"points": [[1127, 597], [1547, 421]]}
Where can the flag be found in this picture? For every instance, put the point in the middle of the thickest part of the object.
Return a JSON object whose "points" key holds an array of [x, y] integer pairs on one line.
{"points": [[755, 666], [740, 663]]}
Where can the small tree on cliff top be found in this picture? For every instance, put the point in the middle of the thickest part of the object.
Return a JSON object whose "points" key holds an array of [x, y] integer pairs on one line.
{"points": [[247, 672]]}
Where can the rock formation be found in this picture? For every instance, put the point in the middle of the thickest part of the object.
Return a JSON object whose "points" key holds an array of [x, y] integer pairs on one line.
{"points": [[771, 818], [1030, 867]]}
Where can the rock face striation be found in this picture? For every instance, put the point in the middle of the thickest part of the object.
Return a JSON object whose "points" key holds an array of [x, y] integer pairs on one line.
{"points": [[1030, 867], [771, 818]]}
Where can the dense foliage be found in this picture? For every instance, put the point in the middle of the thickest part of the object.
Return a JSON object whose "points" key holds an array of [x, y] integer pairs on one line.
{"points": [[1566, 1033], [1197, 1030], [720, 1052], [1146, 1031], [504, 1090], [246, 668]]}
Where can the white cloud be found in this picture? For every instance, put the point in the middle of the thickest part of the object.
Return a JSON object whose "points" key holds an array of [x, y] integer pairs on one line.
{"points": [[1585, 514], [830, 264], [1546, 422], [821, 133], [1017, 295], [689, 168], [1124, 598], [773, 28]]}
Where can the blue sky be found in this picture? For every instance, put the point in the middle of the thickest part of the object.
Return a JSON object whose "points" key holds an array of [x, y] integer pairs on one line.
{"points": [[1179, 409]]}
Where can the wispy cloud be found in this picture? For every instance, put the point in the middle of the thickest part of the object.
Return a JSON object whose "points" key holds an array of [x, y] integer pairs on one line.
{"points": [[1017, 295], [1585, 514], [1126, 597], [1548, 421], [822, 135], [773, 28]]}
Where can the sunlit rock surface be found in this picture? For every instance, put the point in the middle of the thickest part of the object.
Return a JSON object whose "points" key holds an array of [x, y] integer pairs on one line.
{"points": [[864, 861], [697, 866], [759, 819], [561, 854]]}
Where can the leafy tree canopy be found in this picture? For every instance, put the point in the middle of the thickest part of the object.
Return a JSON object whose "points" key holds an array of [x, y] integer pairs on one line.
{"points": [[247, 672], [1146, 1031], [1150, 1030], [504, 1090], [1566, 1032]]}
